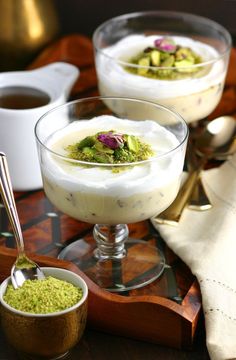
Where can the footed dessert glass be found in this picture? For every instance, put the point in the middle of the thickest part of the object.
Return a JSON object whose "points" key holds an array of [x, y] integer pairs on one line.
{"points": [[172, 58], [112, 161]]}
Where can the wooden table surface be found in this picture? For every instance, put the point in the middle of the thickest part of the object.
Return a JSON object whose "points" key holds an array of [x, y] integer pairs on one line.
{"points": [[96, 345]]}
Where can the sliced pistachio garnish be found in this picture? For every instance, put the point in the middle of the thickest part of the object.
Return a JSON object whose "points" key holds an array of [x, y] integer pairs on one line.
{"points": [[110, 147], [155, 57], [87, 142], [132, 143], [145, 62], [166, 54]]}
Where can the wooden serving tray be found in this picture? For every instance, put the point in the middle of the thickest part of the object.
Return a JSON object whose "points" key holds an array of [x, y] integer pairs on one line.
{"points": [[164, 312]]}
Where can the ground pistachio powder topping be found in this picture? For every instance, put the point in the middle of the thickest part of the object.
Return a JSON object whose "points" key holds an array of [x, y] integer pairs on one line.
{"points": [[110, 147], [43, 296], [175, 60]]}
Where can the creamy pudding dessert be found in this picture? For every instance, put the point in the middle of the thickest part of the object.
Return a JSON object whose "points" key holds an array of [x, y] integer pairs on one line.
{"points": [[111, 170], [177, 72]]}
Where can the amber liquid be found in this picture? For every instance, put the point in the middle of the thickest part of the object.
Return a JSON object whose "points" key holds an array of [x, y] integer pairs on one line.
{"points": [[22, 98]]}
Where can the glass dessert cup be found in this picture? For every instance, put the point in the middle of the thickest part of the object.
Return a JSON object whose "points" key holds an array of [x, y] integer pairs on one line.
{"points": [[192, 88], [112, 195]]}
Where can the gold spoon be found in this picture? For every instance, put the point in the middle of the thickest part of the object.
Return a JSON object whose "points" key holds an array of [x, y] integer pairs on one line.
{"points": [[218, 141], [24, 268], [199, 199]]}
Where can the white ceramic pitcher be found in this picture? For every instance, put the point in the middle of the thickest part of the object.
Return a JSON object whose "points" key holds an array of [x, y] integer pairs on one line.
{"points": [[17, 138]]}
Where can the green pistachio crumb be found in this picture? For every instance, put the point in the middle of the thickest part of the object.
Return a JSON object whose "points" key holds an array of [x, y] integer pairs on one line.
{"points": [[43, 296]]}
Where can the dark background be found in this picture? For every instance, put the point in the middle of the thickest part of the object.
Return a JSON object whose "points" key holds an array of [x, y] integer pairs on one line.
{"points": [[83, 16]]}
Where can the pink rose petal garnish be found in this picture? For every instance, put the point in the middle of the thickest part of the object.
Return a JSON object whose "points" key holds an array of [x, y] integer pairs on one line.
{"points": [[113, 141], [165, 44]]}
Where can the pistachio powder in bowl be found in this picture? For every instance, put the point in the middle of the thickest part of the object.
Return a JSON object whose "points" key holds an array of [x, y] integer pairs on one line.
{"points": [[51, 313], [43, 296]]}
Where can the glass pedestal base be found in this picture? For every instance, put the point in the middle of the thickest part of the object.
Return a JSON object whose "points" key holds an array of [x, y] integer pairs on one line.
{"points": [[142, 264]]}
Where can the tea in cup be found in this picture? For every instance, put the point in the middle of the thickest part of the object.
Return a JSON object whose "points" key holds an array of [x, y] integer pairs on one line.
{"points": [[24, 97]]}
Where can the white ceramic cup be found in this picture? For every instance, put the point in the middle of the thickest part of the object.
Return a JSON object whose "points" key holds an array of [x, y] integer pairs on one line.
{"points": [[17, 139]]}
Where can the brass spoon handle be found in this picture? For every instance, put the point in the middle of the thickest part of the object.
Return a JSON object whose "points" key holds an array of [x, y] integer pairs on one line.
{"points": [[9, 203], [172, 214], [199, 200]]}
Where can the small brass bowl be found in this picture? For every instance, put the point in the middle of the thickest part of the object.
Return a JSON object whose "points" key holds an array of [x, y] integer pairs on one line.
{"points": [[46, 336]]}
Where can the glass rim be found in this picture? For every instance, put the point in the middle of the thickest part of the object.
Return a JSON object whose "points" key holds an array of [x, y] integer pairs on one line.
{"points": [[205, 20], [109, 165]]}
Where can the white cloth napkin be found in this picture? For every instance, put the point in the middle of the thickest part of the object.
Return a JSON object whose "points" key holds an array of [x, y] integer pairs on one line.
{"points": [[206, 242]]}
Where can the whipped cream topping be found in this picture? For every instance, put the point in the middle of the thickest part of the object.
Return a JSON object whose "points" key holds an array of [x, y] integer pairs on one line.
{"points": [[157, 172], [113, 74]]}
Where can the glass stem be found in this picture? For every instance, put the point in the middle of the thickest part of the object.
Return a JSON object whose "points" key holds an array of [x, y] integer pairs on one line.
{"points": [[110, 241]]}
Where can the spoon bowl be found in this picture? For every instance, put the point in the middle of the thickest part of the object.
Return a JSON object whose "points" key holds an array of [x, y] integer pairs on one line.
{"points": [[24, 268], [218, 139]]}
